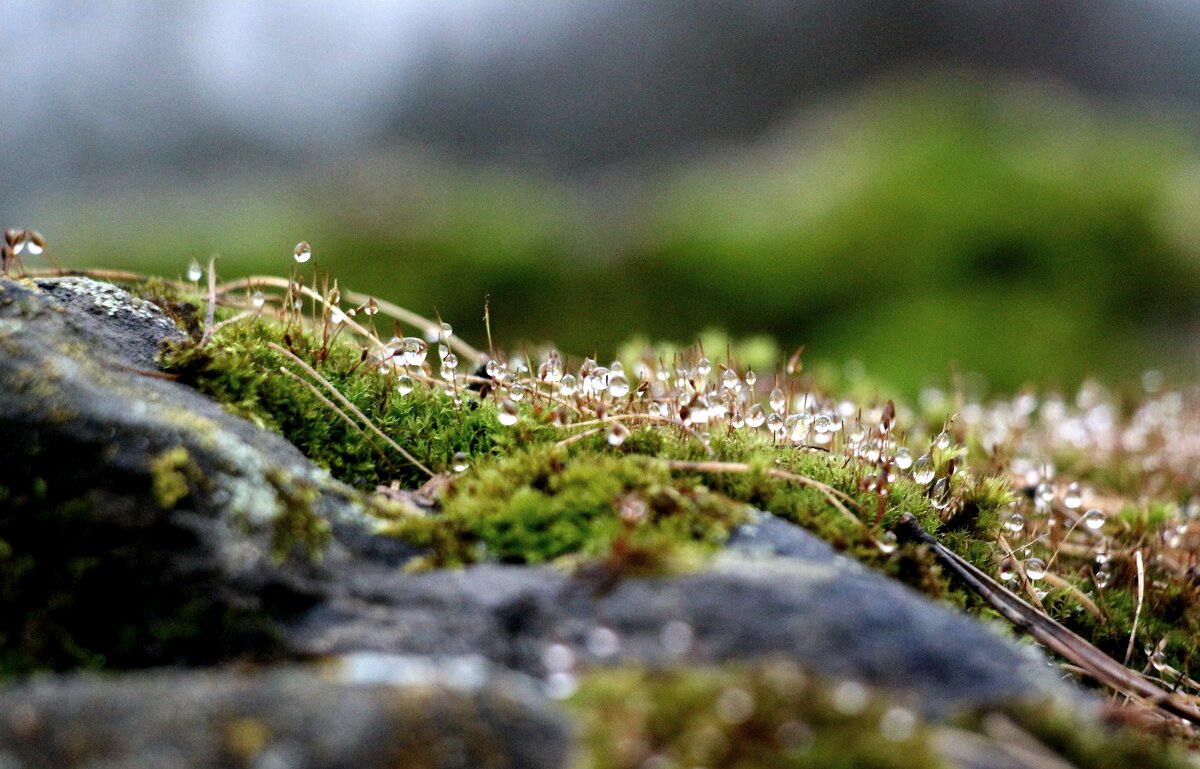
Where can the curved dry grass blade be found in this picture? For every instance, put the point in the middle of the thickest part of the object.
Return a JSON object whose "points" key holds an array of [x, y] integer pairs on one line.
{"points": [[834, 496], [350, 406]]}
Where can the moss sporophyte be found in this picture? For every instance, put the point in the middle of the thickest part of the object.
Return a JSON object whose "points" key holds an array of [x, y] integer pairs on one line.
{"points": [[1084, 507]]}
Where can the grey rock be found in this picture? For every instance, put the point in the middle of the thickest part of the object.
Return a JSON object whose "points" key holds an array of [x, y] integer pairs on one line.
{"points": [[358, 713], [821, 609], [140, 520]]}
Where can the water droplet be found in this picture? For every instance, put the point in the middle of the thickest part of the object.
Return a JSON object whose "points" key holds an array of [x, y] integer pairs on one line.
{"points": [[460, 462], [922, 471], [735, 705], [1101, 555], [404, 384], [618, 385], [450, 360], [507, 412], [415, 351], [703, 367], [904, 458], [551, 370], [677, 637], [1045, 492], [557, 657], [777, 400], [1102, 577], [887, 543], [856, 435], [446, 330], [371, 307], [751, 377], [1094, 519], [775, 424], [942, 441], [560, 686], [194, 271], [1008, 569], [568, 385], [1015, 522], [443, 351], [939, 497], [517, 392], [755, 416], [897, 724], [823, 423], [1072, 499], [729, 380], [849, 698], [258, 299], [31, 243], [1035, 568], [493, 368], [597, 380], [302, 252], [603, 642], [617, 434], [737, 420], [1159, 661]]}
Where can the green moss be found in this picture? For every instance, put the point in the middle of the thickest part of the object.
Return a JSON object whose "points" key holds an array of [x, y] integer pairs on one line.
{"points": [[771, 714], [238, 369], [741, 717], [539, 504], [169, 473], [1079, 739], [297, 521]]}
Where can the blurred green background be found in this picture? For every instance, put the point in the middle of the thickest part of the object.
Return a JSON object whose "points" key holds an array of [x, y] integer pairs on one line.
{"points": [[917, 225]]}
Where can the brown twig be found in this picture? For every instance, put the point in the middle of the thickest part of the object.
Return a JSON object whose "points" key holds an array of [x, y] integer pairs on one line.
{"points": [[1058, 639]]}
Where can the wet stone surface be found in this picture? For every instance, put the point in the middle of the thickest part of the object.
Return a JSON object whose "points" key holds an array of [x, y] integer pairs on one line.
{"points": [[814, 606], [352, 713], [140, 518]]}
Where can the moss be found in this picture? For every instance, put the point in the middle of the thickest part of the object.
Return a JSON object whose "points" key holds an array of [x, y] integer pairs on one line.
{"points": [[539, 504], [1080, 739], [169, 473], [740, 717], [239, 369], [772, 714], [296, 521]]}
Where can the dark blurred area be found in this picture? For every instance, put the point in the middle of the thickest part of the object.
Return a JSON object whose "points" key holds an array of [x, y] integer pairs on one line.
{"points": [[1001, 186]]}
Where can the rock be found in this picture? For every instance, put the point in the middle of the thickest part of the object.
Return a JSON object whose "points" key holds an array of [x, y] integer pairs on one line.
{"points": [[140, 523], [823, 610], [359, 713]]}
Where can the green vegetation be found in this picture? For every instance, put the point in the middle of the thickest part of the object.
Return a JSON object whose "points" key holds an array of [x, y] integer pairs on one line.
{"points": [[530, 493], [1007, 229], [771, 714]]}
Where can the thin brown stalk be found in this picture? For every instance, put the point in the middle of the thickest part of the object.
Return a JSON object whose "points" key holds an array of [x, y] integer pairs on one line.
{"points": [[230, 321], [210, 313], [413, 319], [350, 406], [1058, 639], [576, 438], [1141, 596], [332, 406], [834, 496]]}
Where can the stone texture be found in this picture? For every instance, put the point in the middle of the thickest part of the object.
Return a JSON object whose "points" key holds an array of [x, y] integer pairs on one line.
{"points": [[355, 713], [814, 606], [137, 517]]}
